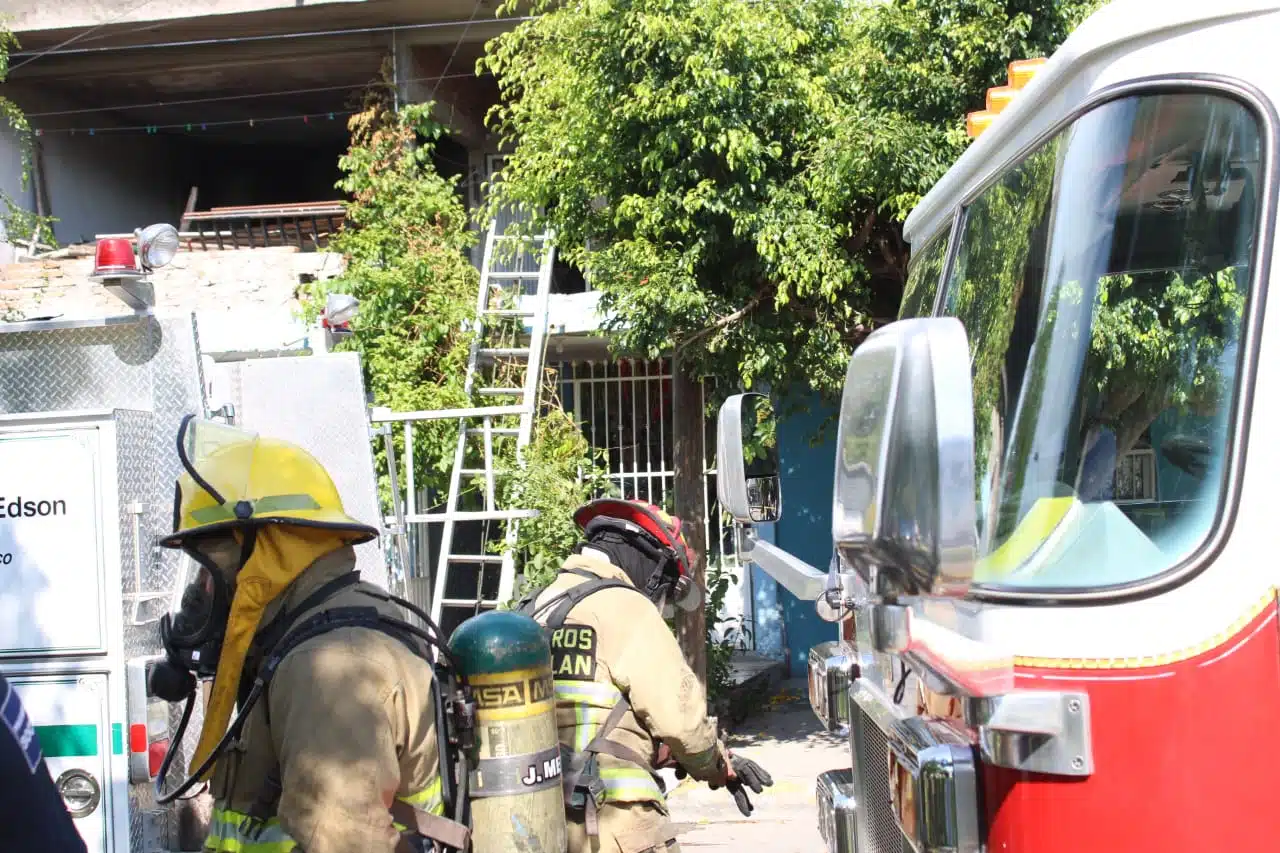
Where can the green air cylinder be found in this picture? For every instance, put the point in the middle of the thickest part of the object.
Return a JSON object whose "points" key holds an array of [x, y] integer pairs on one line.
{"points": [[517, 805]]}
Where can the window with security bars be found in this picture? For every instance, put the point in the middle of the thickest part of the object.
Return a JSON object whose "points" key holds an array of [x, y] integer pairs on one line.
{"points": [[1135, 478], [624, 409]]}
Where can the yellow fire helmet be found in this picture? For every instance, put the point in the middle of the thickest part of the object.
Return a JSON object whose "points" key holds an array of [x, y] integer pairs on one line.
{"points": [[237, 481]]}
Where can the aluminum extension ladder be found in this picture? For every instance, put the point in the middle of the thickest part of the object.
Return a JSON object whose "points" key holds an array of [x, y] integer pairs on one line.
{"points": [[499, 369]]}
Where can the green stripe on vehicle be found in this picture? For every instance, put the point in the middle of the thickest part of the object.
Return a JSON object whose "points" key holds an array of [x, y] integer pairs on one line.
{"points": [[68, 741], [117, 739]]}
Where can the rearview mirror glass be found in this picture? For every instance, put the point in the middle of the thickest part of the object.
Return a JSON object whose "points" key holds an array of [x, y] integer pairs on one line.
{"points": [[903, 512], [748, 472]]}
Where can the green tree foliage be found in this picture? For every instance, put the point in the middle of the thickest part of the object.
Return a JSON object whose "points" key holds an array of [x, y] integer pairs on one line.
{"points": [[1002, 228], [723, 636], [560, 473], [732, 174], [1157, 342], [19, 223], [912, 71], [404, 242]]}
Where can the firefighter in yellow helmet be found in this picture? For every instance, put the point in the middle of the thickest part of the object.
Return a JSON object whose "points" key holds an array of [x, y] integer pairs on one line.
{"points": [[626, 701], [336, 744]]}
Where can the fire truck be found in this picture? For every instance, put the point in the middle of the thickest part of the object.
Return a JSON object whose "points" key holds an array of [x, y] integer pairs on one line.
{"points": [[1050, 499], [89, 413]]}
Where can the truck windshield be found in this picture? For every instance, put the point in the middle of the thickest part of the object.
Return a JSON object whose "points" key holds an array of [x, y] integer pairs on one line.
{"points": [[1102, 281]]}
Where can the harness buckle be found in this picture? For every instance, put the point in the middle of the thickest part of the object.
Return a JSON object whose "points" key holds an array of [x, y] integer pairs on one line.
{"points": [[461, 709]]}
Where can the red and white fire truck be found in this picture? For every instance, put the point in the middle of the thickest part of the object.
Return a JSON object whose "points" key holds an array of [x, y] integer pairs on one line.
{"points": [[1052, 482]]}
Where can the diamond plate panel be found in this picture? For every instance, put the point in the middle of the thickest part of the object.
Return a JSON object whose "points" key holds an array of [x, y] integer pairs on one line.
{"points": [[318, 402], [148, 371]]}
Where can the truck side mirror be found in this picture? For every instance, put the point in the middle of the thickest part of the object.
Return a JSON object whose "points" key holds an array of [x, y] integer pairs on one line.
{"points": [[748, 480], [904, 509]]}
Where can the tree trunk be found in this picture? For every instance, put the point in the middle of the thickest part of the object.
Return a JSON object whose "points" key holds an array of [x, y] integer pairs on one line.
{"points": [[688, 433]]}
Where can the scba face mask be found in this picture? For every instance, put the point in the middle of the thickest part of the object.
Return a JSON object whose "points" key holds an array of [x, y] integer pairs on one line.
{"points": [[652, 566], [192, 635], [671, 593]]}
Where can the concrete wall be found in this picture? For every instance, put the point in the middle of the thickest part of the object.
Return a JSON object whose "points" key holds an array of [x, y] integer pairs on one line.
{"points": [[25, 15], [106, 184], [11, 169], [97, 184], [245, 299], [111, 184]]}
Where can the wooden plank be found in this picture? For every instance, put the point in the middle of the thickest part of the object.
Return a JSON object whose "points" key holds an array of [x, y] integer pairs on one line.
{"points": [[185, 222], [298, 205], [265, 213]]}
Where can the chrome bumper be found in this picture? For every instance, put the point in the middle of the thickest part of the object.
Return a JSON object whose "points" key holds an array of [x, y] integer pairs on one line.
{"points": [[831, 670], [837, 811], [915, 780]]}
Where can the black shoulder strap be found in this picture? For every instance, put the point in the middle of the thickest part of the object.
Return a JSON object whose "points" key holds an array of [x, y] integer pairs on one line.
{"points": [[281, 637], [279, 626], [528, 604], [331, 620], [558, 608], [267, 637]]}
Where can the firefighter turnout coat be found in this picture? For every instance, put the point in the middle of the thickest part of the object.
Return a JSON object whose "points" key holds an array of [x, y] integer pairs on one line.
{"points": [[615, 649], [345, 731]]}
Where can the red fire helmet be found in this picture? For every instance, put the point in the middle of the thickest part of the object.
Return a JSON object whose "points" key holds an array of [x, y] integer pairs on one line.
{"points": [[667, 529]]}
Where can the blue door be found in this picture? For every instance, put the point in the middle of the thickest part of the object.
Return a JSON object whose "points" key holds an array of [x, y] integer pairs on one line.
{"points": [[805, 527]]}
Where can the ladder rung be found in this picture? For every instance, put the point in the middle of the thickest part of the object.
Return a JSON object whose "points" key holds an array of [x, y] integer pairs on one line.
{"points": [[477, 515], [475, 558], [480, 472], [540, 238], [502, 392], [513, 275], [496, 432], [508, 312], [497, 352], [467, 602]]}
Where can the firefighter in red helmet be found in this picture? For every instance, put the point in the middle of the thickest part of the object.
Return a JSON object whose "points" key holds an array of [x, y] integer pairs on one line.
{"points": [[626, 701]]}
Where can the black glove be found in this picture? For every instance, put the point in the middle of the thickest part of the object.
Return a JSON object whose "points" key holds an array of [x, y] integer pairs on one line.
{"points": [[747, 774]]}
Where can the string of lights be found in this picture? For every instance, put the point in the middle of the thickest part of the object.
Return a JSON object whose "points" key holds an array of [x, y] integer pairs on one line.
{"points": [[350, 87], [193, 126]]}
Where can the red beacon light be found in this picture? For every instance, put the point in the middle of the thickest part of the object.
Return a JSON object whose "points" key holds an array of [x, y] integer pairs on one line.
{"points": [[114, 258], [123, 272]]}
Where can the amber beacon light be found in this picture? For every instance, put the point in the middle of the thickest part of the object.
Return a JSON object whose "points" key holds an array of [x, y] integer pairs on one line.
{"points": [[999, 97]]}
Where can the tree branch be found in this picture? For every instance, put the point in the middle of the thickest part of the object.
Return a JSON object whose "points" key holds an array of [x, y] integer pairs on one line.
{"points": [[752, 304], [864, 233], [894, 262]]}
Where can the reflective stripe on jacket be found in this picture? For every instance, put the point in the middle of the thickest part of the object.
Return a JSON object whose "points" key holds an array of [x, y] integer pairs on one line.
{"points": [[629, 652], [236, 832]]}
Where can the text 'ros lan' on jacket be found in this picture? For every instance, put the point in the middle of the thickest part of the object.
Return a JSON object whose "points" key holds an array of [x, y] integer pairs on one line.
{"points": [[346, 730], [615, 646]]}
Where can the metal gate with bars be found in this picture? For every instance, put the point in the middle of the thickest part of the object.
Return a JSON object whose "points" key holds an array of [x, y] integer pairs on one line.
{"points": [[624, 410]]}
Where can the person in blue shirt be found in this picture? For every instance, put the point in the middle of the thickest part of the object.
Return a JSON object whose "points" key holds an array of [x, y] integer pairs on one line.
{"points": [[33, 818]]}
